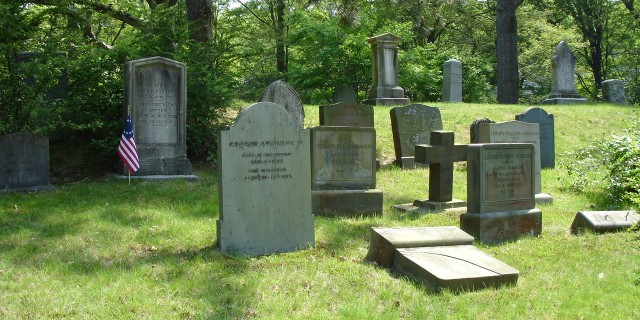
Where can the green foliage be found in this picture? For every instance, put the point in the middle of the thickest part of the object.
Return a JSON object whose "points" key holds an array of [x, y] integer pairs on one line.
{"points": [[611, 165]]}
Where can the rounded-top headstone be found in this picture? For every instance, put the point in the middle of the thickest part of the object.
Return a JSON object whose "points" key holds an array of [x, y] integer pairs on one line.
{"points": [[281, 93]]}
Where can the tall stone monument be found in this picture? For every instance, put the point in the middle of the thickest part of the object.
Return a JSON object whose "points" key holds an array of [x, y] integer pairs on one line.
{"points": [[613, 91], [265, 183], [452, 81], [384, 72], [156, 96], [564, 89], [24, 163], [281, 93]]}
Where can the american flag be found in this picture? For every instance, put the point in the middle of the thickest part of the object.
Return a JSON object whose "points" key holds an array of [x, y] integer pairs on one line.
{"points": [[127, 148]]}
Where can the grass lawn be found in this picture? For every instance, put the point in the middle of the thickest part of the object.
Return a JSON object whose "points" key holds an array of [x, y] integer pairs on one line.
{"points": [[109, 250]]}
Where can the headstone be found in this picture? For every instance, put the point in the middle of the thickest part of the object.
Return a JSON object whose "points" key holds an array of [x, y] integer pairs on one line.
{"points": [[343, 171], [412, 125], [384, 72], [564, 89], [517, 132], [452, 81], [265, 183], [344, 93], [440, 257], [440, 155], [473, 129], [156, 94], [280, 93], [613, 91], [604, 221], [547, 137], [501, 192], [24, 162], [346, 114]]}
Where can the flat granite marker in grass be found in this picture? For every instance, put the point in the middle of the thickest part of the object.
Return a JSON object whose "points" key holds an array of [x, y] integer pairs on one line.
{"points": [[264, 176], [441, 257], [412, 125], [440, 156], [500, 193], [343, 171], [604, 221]]}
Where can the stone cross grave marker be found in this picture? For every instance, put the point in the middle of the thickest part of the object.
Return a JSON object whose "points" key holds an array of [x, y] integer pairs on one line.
{"points": [[156, 95], [343, 171], [384, 69], [265, 184], [346, 114], [281, 93], [545, 122], [412, 125], [24, 162], [343, 93], [440, 257], [501, 192], [613, 91], [452, 81], [517, 132], [564, 89]]}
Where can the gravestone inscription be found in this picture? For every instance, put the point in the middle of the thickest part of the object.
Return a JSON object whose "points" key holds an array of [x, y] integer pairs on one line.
{"points": [[24, 162], [155, 93], [412, 125], [265, 187]]}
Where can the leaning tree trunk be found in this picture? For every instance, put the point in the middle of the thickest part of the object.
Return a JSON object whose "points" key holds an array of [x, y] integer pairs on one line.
{"points": [[200, 15], [507, 51]]}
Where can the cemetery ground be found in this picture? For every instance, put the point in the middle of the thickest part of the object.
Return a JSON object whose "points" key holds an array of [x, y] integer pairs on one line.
{"points": [[106, 249]]}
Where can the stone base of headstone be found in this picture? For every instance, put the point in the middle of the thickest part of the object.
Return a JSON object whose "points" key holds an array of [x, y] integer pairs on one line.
{"points": [[544, 198], [387, 101], [408, 163], [384, 241], [441, 257], [347, 202], [438, 205], [456, 268], [564, 101], [604, 221], [498, 227], [188, 177], [176, 166]]}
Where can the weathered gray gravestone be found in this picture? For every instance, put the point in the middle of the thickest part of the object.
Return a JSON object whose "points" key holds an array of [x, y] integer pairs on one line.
{"points": [[384, 71], [473, 129], [281, 93], [547, 136], [343, 171], [440, 155], [517, 132], [452, 81], [343, 93], [604, 221], [613, 91], [156, 94], [24, 162], [564, 89], [346, 114], [501, 192], [441, 257], [412, 125], [265, 187]]}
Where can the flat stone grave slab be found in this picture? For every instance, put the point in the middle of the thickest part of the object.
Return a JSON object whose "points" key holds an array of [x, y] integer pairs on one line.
{"points": [[456, 268], [412, 125], [384, 241], [604, 221], [264, 175]]}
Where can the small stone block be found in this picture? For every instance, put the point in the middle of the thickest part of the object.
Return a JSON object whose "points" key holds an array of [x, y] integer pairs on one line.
{"points": [[604, 221], [384, 241], [437, 205], [457, 268], [347, 202], [498, 227], [543, 198]]}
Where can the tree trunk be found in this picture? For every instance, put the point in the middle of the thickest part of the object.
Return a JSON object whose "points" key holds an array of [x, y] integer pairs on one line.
{"points": [[281, 52], [507, 51], [200, 16]]}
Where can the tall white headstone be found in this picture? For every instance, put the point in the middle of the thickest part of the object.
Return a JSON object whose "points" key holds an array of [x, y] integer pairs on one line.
{"points": [[452, 81]]}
